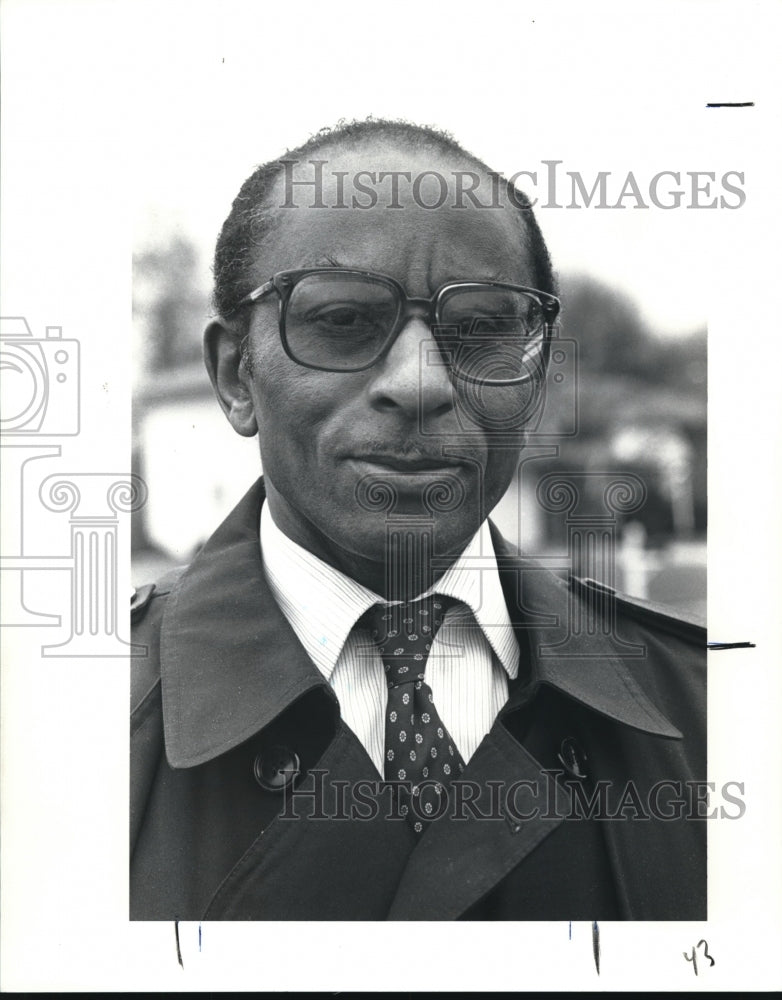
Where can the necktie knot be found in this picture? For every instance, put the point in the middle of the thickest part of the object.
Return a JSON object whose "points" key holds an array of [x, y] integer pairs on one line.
{"points": [[404, 634]]}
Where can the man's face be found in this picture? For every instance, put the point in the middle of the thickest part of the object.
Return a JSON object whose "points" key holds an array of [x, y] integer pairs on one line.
{"points": [[325, 437]]}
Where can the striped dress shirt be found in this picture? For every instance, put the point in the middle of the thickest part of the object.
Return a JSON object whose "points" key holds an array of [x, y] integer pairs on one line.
{"points": [[472, 656]]}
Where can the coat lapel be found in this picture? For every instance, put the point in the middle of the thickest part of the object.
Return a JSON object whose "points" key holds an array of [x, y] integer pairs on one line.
{"points": [[644, 748], [459, 860], [230, 662], [314, 862]]}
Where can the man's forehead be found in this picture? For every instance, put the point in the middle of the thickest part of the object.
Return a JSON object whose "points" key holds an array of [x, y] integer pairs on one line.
{"points": [[377, 203], [341, 161]]}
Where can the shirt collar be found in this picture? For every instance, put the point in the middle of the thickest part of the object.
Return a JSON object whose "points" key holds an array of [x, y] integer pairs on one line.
{"points": [[474, 580], [324, 612], [231, 663]]}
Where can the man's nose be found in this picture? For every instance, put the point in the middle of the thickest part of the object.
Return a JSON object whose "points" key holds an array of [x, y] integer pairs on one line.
{"points": [[413, 376]]}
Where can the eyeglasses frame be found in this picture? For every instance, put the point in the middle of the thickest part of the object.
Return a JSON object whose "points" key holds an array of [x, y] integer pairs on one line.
{"points": [[284, 282]]}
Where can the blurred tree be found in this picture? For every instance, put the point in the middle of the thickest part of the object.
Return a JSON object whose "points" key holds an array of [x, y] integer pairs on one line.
{"points": [[170, 303], [631, 380], [628, 374], [612, 337]]}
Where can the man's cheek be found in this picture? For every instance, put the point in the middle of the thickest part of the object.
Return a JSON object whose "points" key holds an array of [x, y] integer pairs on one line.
{"points": [[499, 413], [498, 471]]}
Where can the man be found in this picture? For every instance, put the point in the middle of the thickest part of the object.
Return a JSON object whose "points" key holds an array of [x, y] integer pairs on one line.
{"points": [[358, 701]]}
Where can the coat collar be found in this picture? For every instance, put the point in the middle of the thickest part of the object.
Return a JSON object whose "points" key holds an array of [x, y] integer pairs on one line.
{"points": [[590, 668], [231, 664]]}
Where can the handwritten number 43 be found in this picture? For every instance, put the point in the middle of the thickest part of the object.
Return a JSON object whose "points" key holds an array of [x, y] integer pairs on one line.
{"points": [[692, 957]]}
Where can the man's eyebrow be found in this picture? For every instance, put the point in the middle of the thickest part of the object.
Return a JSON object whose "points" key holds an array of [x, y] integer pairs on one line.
{"points": [[501, 277], [327, 261]]}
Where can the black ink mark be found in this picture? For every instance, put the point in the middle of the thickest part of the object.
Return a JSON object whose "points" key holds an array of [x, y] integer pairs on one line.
{"points": [[692, 957], [178, 949], [596, 945], [570, 930], [732, 104], [730, 645], [199, 937]]}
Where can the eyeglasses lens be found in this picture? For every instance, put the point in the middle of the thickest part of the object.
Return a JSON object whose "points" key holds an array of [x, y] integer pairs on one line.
{"points": [[340, 322], [499, 334]]}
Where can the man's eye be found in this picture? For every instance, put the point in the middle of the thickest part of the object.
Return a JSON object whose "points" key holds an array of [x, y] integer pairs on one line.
{"points": [[344, 317], [509, 326], [341, 316]]}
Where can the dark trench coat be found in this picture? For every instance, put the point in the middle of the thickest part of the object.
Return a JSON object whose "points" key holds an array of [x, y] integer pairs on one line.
{"points": [[598, 740]]}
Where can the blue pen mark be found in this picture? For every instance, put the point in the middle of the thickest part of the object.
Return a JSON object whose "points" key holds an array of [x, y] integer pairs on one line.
{"points": [[199, 937], [596, 945], [570, 930], [178, 949]]}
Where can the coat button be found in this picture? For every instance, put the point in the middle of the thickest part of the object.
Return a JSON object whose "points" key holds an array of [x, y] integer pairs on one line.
{"points": [[573, 758], [275, 768]]}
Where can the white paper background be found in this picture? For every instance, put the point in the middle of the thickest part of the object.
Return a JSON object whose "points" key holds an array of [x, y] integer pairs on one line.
{"points": [[109, 108]]}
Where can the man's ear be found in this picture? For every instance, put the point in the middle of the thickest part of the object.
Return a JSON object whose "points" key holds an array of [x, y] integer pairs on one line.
{"points": [[223, 359]]}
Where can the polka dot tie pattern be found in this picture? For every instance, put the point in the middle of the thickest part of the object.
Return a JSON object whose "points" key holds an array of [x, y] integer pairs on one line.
{"points": [[419, 751]]}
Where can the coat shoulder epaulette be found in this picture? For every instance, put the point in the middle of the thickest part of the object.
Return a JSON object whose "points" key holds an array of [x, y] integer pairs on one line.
{"points": [[657, 616], [145, 631], [142, 596]]}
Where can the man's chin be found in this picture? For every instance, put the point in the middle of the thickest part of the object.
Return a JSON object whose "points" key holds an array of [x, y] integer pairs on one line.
{"points": [[434, 495], [410, 538]]}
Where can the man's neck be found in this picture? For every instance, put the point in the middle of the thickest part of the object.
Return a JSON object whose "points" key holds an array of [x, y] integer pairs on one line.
{"points": [[404, 572]]}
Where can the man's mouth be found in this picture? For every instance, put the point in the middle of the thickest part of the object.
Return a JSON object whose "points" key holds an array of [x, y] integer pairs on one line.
{"points": [[413, 462]]}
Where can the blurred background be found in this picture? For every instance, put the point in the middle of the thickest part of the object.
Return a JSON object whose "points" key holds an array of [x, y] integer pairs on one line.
{"points": [[641, 396], [637, 284]]}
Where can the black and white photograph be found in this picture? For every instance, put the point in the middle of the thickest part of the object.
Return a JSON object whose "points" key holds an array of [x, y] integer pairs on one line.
{"points": [[389, 417], [390, 354]]}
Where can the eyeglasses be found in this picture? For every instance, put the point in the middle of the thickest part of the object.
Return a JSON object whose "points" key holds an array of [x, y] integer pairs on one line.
{"points": [[342, 320]]}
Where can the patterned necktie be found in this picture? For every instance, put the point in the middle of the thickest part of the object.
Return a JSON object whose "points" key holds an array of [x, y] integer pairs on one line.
{"points": [[418, 751]]}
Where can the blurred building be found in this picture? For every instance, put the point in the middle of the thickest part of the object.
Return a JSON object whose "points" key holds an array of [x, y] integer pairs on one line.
{"points": [[196, 467]]}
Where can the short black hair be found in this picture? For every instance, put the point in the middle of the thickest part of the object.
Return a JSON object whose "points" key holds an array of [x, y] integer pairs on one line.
{"points": [[251, 217]]}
